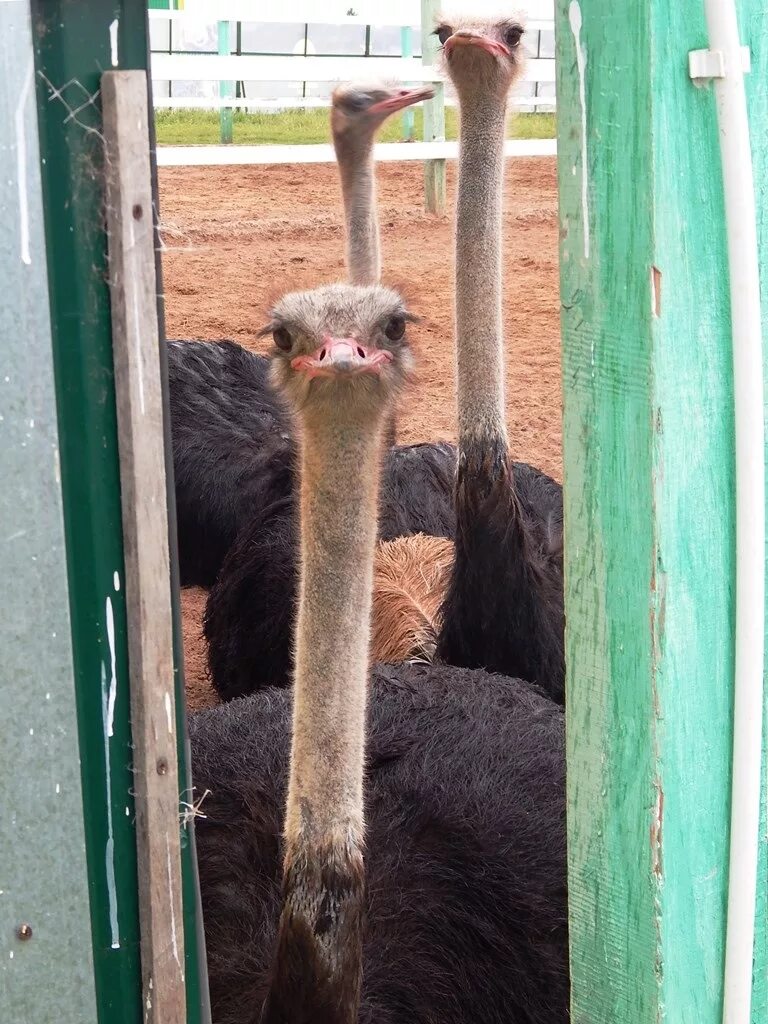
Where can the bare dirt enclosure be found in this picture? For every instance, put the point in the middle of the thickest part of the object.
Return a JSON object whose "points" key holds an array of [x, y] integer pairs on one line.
{"points": [[238, 237]]}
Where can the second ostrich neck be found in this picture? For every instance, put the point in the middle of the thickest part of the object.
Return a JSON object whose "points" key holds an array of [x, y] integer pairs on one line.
{"points": [[480, 342], [355, 159]]}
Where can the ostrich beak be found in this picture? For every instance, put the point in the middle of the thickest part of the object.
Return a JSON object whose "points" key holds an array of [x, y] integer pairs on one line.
{"points": [[338, 356], [492, 46], [404, 98]]}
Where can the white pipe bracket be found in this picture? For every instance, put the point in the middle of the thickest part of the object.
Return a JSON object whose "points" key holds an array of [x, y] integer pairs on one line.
{"points": [[704, 65]]}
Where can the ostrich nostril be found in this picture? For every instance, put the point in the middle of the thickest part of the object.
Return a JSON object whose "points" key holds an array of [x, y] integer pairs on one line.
{"points": [[360, 352], [322, 354]]}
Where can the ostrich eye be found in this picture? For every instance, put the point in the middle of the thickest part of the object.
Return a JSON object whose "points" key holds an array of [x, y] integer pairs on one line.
{"points": [[444, 33], [356, 101], [395, 328], [513, 35], [282, 338]]}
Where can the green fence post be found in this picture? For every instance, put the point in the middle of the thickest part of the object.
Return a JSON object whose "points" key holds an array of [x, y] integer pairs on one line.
{"points": [[47, 952], [649, 493], [434, 111], [73, 42], [754, 29], [406, 48], [226, 89]]}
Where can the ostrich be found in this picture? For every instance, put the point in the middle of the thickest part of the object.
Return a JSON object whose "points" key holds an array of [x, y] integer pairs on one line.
{"points": [[249, 614], [504, 606], [457, 910], [357, 112]]}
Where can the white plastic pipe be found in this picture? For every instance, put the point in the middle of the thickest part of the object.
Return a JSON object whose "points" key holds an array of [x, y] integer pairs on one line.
{"points": [[741, 220]]}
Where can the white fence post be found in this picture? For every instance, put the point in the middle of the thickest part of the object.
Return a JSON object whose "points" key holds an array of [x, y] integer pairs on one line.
{"points": [[434, 112]]}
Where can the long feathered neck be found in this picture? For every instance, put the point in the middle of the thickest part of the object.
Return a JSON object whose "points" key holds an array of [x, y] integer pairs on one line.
{"points": [[354, 153], [318, 963], [502, 610], [479, 331]]}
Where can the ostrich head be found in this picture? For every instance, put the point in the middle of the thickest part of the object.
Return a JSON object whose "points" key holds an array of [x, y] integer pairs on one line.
{"points": [[482, 55], [341, 345], [361, 108]]}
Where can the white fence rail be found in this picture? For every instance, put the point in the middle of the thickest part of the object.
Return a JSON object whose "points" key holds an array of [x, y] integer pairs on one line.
{"points": [[543, 104], [211, 156], [213, 68]]}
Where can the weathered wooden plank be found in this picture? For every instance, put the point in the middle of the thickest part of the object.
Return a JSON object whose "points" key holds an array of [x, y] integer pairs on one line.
{"points": [[142, 465], [649, 480], [46, 957], [434, 111]]}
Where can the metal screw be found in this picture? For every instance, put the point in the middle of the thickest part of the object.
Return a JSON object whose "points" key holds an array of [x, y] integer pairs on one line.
{"points": [[162, 766], [24, 932]]}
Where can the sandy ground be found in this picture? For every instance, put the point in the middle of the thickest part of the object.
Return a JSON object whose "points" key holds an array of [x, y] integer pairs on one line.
{"points": [[238, 237]]}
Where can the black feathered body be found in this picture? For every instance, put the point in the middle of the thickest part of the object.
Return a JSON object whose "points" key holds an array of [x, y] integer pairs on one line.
{"points": [[232, 449], [465, 850], [503, 610]]}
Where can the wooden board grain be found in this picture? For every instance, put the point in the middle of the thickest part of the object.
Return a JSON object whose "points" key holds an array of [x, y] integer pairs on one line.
{"points": [[145, 528], [649, 490]]}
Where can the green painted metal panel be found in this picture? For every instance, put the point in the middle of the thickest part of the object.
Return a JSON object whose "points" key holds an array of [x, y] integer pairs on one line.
{"points": [[648, 445], [44, 922], [73, 43]]}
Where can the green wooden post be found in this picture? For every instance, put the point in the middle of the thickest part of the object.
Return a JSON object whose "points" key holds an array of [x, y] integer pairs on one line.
{"points": [[434, 111], [226, 89], [47, 954], [73, 42], [754, 35], [406, 48], [649, 485]]}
